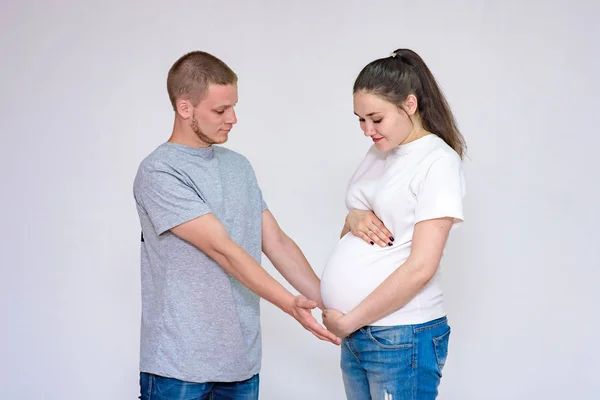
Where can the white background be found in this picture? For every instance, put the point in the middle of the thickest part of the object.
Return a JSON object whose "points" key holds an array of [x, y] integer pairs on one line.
{"points": [[83, 100]]}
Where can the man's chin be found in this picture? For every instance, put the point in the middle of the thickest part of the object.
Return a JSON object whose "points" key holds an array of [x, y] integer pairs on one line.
{"points": [[221, 138]]}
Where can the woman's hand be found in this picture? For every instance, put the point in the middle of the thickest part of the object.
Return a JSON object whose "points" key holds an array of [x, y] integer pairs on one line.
{"points": [[365, 225], [337, 323]]}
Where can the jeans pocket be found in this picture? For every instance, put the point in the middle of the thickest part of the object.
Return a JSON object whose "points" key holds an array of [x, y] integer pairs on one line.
{"points": [[391, 337], [164, 388], [440, 344]]}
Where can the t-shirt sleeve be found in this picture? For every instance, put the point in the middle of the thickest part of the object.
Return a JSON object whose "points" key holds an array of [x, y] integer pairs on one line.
{"points": [[263, 205], [168, 200], [441, 192]]}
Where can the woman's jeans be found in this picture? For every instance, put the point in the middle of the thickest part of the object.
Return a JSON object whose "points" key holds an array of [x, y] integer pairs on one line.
{"points": [[401, 362]]}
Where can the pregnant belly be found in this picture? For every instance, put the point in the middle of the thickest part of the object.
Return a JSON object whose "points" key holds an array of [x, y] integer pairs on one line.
{"points": [[355, 269]]}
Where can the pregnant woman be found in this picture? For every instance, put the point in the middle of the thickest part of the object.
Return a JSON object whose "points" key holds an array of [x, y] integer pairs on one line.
{"points": [[382, 292]]}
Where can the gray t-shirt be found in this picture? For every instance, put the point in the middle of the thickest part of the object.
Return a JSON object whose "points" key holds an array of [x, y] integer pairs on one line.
{"points": [[199, 324]]}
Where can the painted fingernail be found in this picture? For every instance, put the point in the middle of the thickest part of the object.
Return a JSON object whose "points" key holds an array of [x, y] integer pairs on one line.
{"points": [[392, 238], [372, 243], [390, 243]]}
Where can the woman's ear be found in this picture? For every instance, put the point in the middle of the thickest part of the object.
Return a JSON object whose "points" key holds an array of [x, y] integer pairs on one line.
{"points": [[411, 104]]}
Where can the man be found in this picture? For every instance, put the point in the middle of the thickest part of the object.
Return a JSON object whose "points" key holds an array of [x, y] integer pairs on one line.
{"points": [[204, 224]]}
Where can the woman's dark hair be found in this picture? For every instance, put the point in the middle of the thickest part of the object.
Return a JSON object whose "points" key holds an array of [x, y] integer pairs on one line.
{"points": [[403, 73]]}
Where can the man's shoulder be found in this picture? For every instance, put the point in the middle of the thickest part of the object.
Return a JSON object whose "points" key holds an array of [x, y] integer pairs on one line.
{"points": [[157, 159], [232, 156]]}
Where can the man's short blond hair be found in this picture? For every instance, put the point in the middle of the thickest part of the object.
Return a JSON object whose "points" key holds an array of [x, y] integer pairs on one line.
{"points": [[191, 75]]}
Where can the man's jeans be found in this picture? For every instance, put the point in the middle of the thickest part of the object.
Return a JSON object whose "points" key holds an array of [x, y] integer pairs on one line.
{"points": [[395, 362], [154, 387]]}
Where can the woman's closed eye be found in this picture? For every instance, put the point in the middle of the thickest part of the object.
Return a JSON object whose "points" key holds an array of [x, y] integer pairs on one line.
{"points": [[374, 121]]}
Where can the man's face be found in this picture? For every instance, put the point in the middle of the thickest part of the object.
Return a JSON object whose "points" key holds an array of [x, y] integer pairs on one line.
{"points": [[214, 116]]}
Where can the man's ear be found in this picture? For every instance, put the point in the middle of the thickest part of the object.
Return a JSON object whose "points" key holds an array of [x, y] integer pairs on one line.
{"points": [[184, 108]]}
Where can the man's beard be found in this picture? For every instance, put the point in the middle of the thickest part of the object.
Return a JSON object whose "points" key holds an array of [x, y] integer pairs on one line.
{"points": [[196, 128]]}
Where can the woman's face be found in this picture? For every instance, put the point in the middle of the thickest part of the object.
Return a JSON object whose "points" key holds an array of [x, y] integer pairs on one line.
{"points": [[385, 123]]}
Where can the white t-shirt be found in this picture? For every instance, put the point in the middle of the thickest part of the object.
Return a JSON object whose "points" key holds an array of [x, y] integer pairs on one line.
{"points": [[413, 182]]}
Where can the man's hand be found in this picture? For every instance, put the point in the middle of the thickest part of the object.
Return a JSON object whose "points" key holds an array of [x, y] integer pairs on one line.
{"points": [[365, 225], [337, 323], [301, 310]]}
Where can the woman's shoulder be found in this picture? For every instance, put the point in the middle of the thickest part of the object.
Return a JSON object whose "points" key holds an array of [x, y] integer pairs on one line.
{"points": [[441, 150]]}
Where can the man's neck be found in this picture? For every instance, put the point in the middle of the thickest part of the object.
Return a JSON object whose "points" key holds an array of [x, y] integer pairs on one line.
{"points": [[184, 135]]}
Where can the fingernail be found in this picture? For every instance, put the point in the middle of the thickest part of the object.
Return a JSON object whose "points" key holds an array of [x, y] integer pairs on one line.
{"points": [[392, 238], [372, 243], [390, 243]]}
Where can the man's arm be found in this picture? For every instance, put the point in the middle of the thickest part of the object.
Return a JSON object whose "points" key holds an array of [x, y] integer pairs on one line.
{"points": [[288, 259], [210, 236]]}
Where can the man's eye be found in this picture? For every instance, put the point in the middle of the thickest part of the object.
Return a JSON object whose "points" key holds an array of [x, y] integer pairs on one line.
{"points": [[219, 111], [361, 120], [376, 122]]}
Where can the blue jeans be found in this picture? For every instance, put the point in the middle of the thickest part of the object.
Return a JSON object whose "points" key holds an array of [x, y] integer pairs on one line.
{"points": [[154, 387], [395, 362]]}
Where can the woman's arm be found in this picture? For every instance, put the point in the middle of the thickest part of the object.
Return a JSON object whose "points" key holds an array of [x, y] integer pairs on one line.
{"points": [[429, 239]]}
